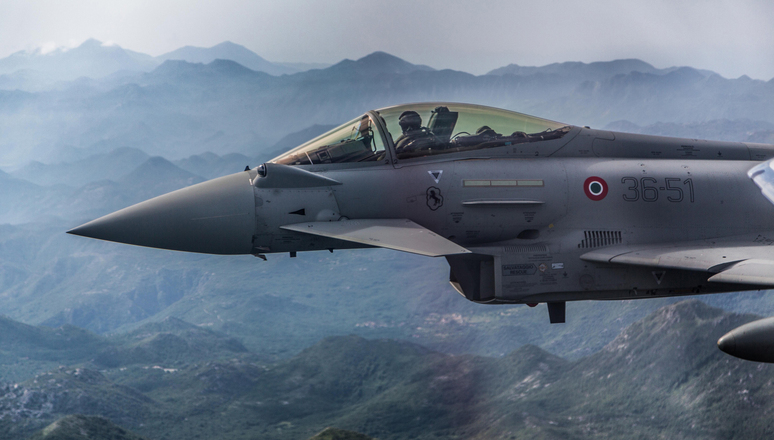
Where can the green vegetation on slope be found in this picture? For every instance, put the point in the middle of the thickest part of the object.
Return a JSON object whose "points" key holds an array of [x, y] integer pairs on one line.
{"points": [[80, 427], [662, 376], [340, 434]]}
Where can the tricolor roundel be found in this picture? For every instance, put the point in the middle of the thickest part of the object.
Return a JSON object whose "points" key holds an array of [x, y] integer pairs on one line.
{"points": [[595, 188]]}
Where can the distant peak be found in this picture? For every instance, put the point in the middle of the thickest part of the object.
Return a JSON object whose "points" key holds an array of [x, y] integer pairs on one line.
{"points": [[594, 70], [667, 317], [691, 308], [227, 44], [225, 63], [379, 53], [380, 56], [380, 62], [91, 42], [686, 73], [158, 161]]}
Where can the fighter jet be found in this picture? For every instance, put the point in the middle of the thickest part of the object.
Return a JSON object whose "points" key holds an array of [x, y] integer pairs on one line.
{"points": [[524, 210]]}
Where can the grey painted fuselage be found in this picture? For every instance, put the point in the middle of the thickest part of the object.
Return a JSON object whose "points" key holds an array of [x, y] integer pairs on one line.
{"points": [[550, 213], [685, 190]]}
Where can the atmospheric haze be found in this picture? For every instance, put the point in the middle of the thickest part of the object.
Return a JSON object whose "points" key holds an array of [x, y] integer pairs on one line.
{"points": [[174, 345], [733, 38]]}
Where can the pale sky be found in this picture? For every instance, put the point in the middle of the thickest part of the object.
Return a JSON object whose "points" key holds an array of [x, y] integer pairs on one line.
{"points": [[731, 37]]}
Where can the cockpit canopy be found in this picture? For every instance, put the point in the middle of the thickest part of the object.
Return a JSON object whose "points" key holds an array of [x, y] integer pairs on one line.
{"points": [[419, 130]]}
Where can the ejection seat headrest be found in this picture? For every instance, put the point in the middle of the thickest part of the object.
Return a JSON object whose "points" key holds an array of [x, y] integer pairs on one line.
{"points": [[486, 131]]}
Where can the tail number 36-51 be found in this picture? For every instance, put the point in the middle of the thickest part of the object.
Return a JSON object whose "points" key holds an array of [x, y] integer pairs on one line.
{"points": [[649, 189]]}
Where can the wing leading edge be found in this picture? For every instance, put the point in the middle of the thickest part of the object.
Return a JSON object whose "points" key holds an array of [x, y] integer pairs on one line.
{"points": [[738, 262], [398, 234]]}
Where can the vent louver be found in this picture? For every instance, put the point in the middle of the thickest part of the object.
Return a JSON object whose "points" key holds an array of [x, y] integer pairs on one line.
{"points": [[600, 238]]}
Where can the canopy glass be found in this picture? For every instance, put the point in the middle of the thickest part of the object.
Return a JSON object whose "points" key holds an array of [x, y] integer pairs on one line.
{"points": [[419, 130]]}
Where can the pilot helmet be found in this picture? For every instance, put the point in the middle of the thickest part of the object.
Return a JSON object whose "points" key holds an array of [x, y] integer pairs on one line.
{"points": [[410, 120]]}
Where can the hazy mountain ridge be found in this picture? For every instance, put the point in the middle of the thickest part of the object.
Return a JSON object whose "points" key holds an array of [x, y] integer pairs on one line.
{"points": [[97, 185], [226, 51], [92, 59], [172, 345], [157, 176], [81, 172], [374, 64], [181, 109], [27, 350], [297, 138], [95, 60], [38, 70], [683, 95], [721, 129], [195, 115], [177, 70], [21, 200], [210, 165], [595, 71], [303, 67], [661, 376]]}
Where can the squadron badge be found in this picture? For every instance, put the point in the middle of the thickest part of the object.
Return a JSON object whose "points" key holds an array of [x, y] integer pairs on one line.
{"points": [[434, 198]]}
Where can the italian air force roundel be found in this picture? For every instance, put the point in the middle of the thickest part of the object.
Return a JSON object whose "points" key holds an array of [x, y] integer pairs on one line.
{"points": [[595, 188]]}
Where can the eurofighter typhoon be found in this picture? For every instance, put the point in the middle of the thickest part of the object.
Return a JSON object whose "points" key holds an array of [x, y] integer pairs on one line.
{"points": [[523, 209]]}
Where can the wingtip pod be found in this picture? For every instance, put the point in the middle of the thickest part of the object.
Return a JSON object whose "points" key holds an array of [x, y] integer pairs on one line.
{"points": [[753, 341], [763, 176]]}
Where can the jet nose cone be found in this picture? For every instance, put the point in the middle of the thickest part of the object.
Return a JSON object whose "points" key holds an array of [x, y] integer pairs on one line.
{"points": [[216, 217]]}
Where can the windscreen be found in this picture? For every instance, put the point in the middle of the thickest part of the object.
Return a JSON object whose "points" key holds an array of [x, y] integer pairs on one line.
{"points": [[356, 141]]}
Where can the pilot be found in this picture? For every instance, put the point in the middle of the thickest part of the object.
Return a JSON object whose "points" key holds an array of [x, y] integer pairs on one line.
{"points": [[414, 137]]}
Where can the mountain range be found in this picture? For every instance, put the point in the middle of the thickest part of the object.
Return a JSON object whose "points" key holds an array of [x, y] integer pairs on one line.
{"points": [[226, 51], [244, 336], [94, 59], [179, 108], [596, 71], [93, 146], [661, 377]]}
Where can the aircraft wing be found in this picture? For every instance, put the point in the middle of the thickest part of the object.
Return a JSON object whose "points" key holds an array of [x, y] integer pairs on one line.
{"points": [[741, 262], [763, 176], [398, 234]]}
